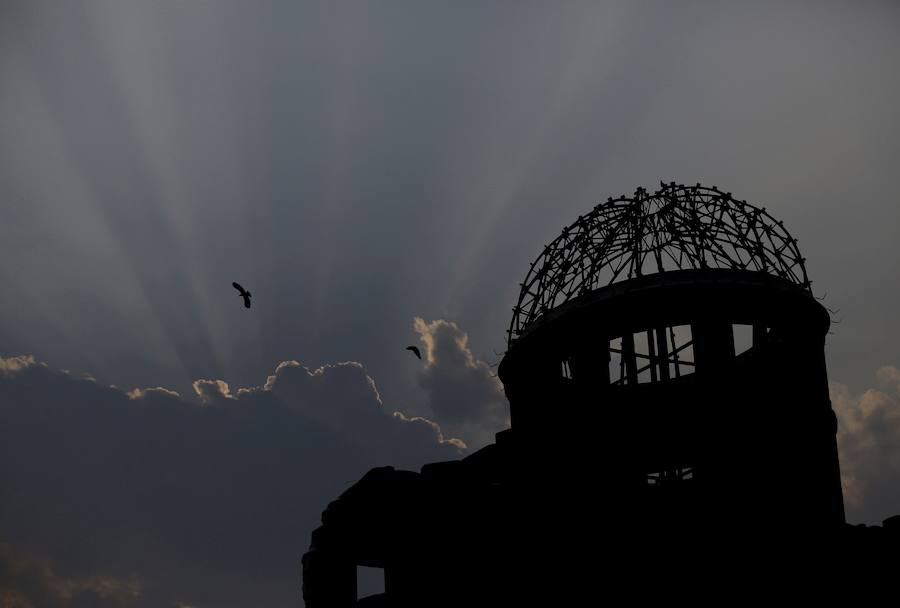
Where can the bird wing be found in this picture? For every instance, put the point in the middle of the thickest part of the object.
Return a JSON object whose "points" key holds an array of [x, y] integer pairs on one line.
{"points": [[238, 287], [247, 300], [415, 351]]}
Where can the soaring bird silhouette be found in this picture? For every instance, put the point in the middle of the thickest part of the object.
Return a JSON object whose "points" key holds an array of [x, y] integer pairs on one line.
{"points": [[415, 350], [244, 294]]}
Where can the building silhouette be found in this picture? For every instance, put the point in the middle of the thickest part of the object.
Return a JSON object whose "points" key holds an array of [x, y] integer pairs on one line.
{"points": [[671, 431]]}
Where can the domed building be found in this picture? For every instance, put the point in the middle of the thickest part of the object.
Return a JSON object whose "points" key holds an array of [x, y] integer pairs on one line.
{"points": [[670, 424]]}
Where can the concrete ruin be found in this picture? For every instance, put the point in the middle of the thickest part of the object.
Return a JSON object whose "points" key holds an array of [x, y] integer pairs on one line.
{"points": [[671, 423]]}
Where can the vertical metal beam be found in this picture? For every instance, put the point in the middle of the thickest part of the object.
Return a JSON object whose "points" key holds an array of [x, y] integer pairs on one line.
{"points": [[662, 353], [674, 352], [628, 359], [651, 352]]}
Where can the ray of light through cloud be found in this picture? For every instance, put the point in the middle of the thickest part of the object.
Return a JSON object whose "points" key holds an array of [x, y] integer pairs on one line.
{"points": [[361, 166]]}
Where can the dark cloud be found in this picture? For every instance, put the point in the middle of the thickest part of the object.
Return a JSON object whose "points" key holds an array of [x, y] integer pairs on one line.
{"points": [[869, 447], [464, 394], [145, 485], [30, 581]]}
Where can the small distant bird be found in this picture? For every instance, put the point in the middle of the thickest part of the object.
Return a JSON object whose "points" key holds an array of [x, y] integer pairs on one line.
{"points": [[415, 350], [244, 294]]}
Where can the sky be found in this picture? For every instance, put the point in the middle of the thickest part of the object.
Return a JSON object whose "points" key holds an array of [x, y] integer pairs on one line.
{"points": [[377, 175]]}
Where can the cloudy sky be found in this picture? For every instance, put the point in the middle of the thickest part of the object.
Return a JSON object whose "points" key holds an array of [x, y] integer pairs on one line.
{"points": [[378, 175]]}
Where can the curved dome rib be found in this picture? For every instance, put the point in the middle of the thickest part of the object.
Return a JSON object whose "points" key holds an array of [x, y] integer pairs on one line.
{"points": [[677, 227]]}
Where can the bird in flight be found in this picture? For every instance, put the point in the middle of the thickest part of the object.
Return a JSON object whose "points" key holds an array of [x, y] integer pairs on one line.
{"points": [[244, 294], [415, 350]]}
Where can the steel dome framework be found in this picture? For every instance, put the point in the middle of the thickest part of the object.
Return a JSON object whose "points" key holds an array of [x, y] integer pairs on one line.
{"points": [[677, 227]]}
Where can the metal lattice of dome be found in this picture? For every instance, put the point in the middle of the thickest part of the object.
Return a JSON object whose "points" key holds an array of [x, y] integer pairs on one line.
{"points": [[677, 227]]}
